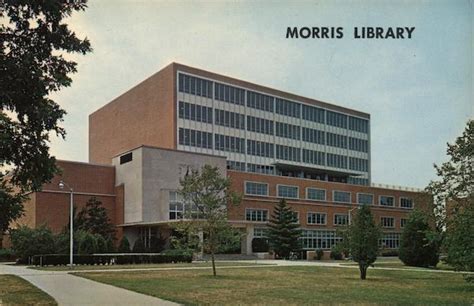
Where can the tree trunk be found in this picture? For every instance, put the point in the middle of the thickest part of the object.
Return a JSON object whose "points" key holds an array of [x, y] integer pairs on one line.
{"points": [[363, 271], [1, 240], [213, 263]]}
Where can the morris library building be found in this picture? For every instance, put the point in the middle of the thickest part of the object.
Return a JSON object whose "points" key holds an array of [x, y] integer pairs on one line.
{"points": [[272, 144]]}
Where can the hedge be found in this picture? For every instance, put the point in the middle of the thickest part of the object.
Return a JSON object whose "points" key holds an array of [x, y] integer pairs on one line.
{"points": [[108, 259]]}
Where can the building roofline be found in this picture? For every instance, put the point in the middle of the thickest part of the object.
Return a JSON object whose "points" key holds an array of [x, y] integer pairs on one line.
{"points": [[277, 92], [168, 149], [84, 163]]}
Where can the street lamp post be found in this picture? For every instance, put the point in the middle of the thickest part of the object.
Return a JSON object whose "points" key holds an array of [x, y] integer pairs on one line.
{"points": [[62, 184]]}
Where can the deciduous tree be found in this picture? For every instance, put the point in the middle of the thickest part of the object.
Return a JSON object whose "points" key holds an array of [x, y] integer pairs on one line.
{"points": [[207, 194]]}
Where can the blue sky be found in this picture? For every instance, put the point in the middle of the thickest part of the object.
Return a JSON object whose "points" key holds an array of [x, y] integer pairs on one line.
{"points": [[419, 92]]}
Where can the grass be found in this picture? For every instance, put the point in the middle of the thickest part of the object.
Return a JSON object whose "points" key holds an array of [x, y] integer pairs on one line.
{"points": [[147, 266], [295, 285], [17, 291]]}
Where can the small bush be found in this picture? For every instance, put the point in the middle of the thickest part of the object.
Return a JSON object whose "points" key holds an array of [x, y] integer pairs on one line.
{"points": [[138, 246], [260, 245], [87, 244], [101, 244], [27, 242], [124, 246], [336, 253], [387, 253], [6, 255], [319, 254]]}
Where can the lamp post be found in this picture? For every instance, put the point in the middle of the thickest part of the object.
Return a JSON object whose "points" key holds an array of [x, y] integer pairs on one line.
{"points": [[62, 184]]}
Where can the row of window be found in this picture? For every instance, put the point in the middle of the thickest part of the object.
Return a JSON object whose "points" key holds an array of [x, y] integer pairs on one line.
{"points": [[314, 157], [265, 169], [317, 194], [318, 218], [201, 87], [235, 120], [336, 161], [195, 112], [195, 86], [235, 165], [195, 138], [229, 143]]}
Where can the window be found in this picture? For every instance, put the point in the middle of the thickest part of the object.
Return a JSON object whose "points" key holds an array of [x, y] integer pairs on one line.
{"points": [[229, 119], [259, 101], [313, 136], [147, 234], [259, 125], [317, 218], [403, 221], [195, 138], [314, 157], [340, 219], [229, 143], [260, 232], [365, 198], [287, 191], [390, 241], [195, 86], [195, 112], [336, 119], [316, 194], [260, 148], [288, 153], [337, 161], [359, 125], [357, 144], [178, 209], [254, 188], [406, 202], [314, 239], [235, 165], [386, 201], [256, 215], [358, 164], [229, 94], [260, 169], [387, 221], [312, 113], [358, 181], [336, 140], [287, 108], [341, 196], [287, 130], [126, 158]]}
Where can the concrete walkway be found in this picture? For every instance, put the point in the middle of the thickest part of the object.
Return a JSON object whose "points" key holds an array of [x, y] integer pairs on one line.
{"points": [[68, 289]]}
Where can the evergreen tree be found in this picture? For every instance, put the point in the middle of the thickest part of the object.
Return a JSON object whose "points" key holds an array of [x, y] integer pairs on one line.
{"points": [[364, 237], [102, 246], [283, 233], [124, 246], [93, 219], [416, 249]]}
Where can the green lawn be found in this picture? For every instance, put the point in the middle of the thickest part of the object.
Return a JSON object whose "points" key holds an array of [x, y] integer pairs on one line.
{"points": [[17, 291], [295, 285], [148, 266], [397, 263]]}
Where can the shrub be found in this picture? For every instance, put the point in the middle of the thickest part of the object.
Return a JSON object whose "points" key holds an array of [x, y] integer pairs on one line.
{"points": [[157, 244], [336, 253], [110, 246], [387, 253], [124, 246], [138, 246], [87, 244], [6, 255], [101, 244], [319, 254], [260, 245], [178, 252], [27, 242]]}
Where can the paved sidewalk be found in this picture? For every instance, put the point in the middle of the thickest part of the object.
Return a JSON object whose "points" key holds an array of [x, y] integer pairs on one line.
{"points": [[68, 289]]}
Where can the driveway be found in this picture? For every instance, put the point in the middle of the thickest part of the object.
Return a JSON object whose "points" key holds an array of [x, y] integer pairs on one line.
{"points": [[68, 289]]}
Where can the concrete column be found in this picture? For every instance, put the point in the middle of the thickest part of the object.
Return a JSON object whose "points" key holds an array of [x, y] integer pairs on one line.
{"points": [[201, 244], [248, 240]]}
